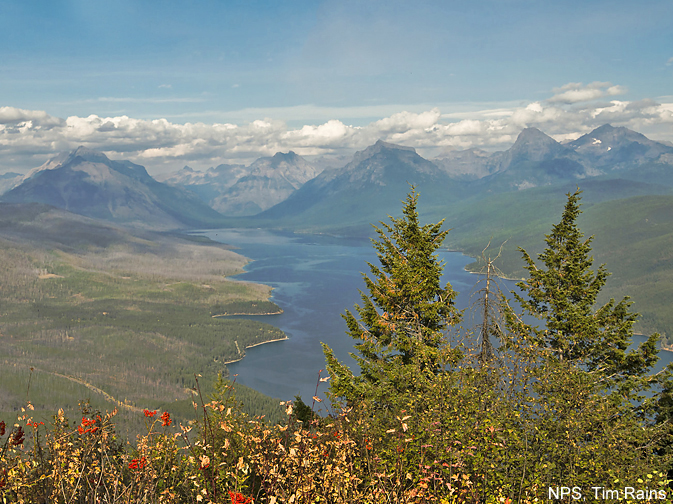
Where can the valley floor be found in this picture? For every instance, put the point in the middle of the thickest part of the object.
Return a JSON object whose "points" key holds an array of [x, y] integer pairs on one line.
{"points": [[125, 325]]}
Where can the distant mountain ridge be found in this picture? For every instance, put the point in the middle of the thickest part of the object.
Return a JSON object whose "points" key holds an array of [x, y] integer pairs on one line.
{"points": [[379, 176], [613, 148], [269, 181], [534, 160], [86, 182], [9, 180], [237, 190], [372, 182], [206, 185], [285, 190], [604, 149]]}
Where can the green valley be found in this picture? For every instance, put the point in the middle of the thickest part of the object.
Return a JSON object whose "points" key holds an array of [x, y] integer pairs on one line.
{"points": [[122, 318]]}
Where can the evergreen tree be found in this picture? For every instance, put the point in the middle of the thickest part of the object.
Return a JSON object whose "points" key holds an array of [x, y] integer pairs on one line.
{"points": [[404, 318], [302, 411], [564, 294]]}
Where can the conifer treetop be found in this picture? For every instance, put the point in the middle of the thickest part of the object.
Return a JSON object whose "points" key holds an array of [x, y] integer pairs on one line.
{"points": [[564, 293], [402, 322]]}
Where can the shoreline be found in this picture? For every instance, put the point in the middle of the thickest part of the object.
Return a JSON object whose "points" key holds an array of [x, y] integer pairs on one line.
{"points": [[256, 344], [269, 341], [246, 314]]}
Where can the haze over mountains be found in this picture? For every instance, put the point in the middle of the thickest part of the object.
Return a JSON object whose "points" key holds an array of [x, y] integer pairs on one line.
{"points": [[86, 182], [207, 185], [286, 190], [270, 180], [238, 190], [377, 178]]}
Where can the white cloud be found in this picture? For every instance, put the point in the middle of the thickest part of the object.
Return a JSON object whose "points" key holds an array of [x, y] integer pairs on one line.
{"points": [[16, 116], [403, 121], [615, 90], [576, 92], [669, 62], [29, 137]]}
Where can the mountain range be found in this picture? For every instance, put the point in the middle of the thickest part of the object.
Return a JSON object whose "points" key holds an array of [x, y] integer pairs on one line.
{"points": [[269, 181], [373, 182], [208, 184], [287, 191], [237, 190], [377, 178], [86, 182]]}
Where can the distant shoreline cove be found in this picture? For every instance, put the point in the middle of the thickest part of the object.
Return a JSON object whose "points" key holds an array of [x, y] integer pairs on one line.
{"points": [[256, 344]]}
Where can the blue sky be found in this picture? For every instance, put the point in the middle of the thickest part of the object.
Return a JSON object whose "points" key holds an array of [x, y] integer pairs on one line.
{"points": [[340, 66]]}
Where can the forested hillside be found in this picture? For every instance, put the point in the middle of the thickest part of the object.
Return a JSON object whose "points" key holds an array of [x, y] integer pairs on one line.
{"points": [[121, 317], [632, 236]]}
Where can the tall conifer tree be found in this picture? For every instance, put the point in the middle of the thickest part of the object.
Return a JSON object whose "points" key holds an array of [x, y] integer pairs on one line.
{"points": [[564, 293], [402, 323]]}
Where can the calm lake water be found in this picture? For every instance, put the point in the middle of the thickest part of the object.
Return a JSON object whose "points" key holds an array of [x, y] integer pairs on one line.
{"points": [[315, 278]]}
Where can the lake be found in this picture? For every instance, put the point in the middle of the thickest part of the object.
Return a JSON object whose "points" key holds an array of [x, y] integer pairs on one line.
{"points": [[315, 278]]}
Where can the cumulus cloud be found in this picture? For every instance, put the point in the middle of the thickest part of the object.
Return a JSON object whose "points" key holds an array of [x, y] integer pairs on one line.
{"points": [[29, 137], [38, 118], [576, 92], [403, 121]]}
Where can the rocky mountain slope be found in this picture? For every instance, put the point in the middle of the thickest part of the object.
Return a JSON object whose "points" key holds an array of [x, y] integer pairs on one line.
{"points": [[208, 184], [269, 181], [86, 182]]}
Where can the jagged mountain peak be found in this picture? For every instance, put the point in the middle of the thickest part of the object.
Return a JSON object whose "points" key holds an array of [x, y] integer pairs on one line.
{"points": [[289, 156], [535, 159], [614, 147], [533, 136], [609, 133], [606, 128], [84, 156], [379, 147], [62, 159], [269, 180], [91, 155], [87, 182], [387, 145], [235, 170], [617, 131], [534, 145], [289, 161]]}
